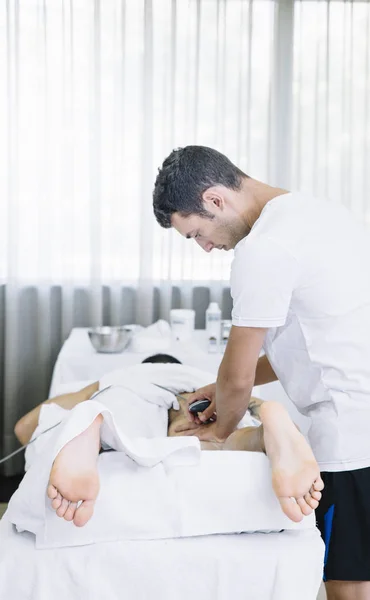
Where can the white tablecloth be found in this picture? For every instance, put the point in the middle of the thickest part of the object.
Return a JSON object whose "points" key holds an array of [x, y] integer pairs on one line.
{"points": [[79, 361], [251, 566]]}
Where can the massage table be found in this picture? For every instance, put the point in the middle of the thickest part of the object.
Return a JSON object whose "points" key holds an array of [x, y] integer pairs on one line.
{"points": [[280, 565]]}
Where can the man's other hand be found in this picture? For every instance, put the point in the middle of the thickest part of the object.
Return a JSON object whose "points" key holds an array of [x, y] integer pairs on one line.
{"points": [[205, 433]]}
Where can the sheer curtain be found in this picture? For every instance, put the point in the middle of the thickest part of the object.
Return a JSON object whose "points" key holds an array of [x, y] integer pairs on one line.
{"points": [[94, 94], [331, 102]]}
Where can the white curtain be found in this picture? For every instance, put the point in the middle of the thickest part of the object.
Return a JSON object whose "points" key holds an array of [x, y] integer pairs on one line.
{"points": [[93, 96], [95, 93], [331, 102]]}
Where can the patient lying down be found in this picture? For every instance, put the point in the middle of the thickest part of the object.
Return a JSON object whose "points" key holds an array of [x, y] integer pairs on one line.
{"points": [[74, 480]]}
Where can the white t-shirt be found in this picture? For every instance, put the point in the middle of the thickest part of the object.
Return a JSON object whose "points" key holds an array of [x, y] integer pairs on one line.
{"points": [[303, 272]]}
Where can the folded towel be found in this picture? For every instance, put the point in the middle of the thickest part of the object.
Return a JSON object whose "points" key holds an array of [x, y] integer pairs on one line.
{"points": [[140, 406], [155, 338]]}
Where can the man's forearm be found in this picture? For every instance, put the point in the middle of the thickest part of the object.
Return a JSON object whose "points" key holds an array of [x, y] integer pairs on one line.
{"points": [[236, 377], [264, 372], [232, 408], [236, 400]]}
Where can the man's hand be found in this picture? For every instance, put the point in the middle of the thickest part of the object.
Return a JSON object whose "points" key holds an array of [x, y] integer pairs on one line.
{"points": [[205, 433], [183, 427], [207, 392]]}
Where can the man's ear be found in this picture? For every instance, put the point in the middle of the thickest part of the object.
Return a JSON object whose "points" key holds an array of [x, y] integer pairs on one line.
{"points": [[214, 199]]}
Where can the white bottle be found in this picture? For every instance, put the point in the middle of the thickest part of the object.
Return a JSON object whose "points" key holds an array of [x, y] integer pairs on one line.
{"points": [[213, 327]]}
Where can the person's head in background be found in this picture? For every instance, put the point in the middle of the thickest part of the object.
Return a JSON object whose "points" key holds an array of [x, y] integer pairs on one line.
{"points": [[205, 197]]}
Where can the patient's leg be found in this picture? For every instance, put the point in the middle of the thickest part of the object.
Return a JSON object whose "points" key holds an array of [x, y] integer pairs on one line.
{"points": [[74, 476], [249, 439], [25, 427], [295, 474]]}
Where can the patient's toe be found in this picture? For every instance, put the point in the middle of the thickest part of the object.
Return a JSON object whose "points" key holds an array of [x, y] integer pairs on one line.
{"points": [[70, 512], [52, 491], [57, 501], [315, 495], [305, 508], [318, 485], [83, 513], [291, 509], [311, 501], [62, 508]]}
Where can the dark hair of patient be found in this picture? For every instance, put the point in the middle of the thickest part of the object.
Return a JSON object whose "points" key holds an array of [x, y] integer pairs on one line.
{"points": [[161, 358]]}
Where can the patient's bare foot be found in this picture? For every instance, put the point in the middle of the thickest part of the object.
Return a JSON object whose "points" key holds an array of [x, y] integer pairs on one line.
{"points": [[74, 476], [295, 473]]}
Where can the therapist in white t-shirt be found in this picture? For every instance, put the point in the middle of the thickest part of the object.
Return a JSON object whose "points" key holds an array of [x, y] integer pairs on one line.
{"points": [[300, 283]]}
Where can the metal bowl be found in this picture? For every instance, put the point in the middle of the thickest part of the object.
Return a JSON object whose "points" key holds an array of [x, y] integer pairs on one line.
{"points": [[110, 339]]}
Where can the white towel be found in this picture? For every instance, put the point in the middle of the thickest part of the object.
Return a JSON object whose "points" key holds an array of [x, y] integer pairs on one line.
{"points": [[155, 338], [142, 407]]}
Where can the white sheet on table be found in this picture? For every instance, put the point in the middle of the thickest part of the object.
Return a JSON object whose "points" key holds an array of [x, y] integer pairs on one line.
{"points": [[278, 566]]}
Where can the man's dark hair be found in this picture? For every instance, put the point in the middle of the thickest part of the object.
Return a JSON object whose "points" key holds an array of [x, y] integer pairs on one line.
{"points": [[161, 358], [184, 177]]}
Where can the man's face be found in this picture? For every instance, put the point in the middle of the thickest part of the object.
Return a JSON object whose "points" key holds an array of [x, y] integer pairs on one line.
{"points": [[221, 232]]}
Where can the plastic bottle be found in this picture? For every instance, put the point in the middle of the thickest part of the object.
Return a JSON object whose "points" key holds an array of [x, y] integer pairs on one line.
{"points": [[213, 327], [225, 332]]}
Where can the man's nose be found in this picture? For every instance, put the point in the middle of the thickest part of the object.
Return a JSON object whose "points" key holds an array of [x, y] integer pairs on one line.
{"points": [[207, 246]]}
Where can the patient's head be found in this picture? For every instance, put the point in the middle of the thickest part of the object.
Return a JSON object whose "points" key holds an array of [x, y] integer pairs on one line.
{"points": [[161, 358]]}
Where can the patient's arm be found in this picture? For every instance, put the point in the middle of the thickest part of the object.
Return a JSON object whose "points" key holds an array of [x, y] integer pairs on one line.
{"points": [[25, 427], [249, 439]]}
